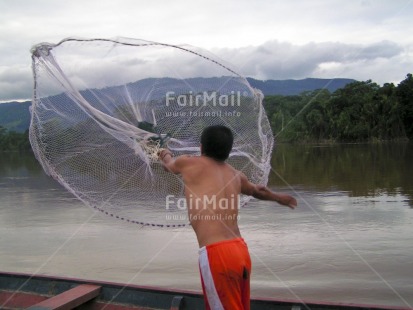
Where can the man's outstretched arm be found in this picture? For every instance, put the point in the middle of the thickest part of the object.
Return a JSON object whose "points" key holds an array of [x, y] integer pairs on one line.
{"points": [[263, 193]]}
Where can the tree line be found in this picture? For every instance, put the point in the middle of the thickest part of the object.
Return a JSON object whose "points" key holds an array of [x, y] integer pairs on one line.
{"points": [[12, 141], [358, 112]]}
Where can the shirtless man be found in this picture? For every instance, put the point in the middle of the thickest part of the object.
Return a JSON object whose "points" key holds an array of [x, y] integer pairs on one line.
{"points": [[212, 189]]}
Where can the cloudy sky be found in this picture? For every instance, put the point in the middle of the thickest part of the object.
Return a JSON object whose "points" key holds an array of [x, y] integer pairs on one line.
{"points": [[279, 39]]}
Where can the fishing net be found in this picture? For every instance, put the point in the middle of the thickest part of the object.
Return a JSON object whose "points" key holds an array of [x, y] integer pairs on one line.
{"points": [[102, 108]]}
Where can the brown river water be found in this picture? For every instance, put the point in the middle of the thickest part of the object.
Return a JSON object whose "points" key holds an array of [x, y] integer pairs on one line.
{"points": [[350, 240]]}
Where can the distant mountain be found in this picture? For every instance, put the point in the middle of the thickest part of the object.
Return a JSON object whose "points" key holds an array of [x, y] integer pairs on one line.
{"points": [[16, 116], [296, 87]]}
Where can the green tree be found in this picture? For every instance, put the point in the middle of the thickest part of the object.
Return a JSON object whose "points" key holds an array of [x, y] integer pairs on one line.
{"points": [[404, 93], [389, 124], [12, 141], [354, 111], [318, 115]]}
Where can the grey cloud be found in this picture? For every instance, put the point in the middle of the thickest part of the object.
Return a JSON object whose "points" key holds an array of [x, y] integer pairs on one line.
{"points": [[271, 60], [283, 60], [384, 49], [16, 82]]}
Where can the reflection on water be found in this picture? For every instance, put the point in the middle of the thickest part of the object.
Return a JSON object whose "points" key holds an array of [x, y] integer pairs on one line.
{"points": [[349, 240], [357, 169]]}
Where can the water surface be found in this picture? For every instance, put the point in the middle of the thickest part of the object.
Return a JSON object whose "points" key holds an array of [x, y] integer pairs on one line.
{"points": [[350, 240]]}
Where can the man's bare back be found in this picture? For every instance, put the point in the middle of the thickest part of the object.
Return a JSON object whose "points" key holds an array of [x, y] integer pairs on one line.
{"points": [[212, 190]]}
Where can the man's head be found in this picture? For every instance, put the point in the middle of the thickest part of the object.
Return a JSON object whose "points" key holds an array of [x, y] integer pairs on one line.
{"points": [[217, 142]]}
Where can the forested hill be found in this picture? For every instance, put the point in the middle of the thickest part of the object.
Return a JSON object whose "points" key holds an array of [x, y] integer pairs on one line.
{"points": [[296, 87], [15, 116], [357, 112]]}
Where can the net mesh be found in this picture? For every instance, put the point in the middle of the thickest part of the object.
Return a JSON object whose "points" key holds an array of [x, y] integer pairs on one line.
{"points": [[102, 108]]}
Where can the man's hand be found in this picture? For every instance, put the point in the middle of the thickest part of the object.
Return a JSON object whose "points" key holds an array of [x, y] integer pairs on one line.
{"points": [[162, 153], [287, 200], [166, 158]]}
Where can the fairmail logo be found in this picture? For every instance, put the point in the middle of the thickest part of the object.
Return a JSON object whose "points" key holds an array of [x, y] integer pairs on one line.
{"points": [[203, 99]]}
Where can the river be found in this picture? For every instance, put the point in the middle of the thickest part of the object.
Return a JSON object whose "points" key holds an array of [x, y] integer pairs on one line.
{"points": [[350, 240]]}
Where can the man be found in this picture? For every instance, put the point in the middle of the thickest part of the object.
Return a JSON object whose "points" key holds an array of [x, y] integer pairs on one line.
{"points": [[212, 188]]}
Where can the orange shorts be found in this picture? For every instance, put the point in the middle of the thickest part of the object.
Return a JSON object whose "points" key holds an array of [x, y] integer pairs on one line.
{"points": [[225, 269]]}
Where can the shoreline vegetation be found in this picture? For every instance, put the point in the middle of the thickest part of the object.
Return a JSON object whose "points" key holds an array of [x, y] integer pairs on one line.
{"points": [[12, 141], [360, 112]]}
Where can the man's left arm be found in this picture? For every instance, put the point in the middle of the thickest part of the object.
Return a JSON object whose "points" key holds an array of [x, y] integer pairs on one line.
{"points": [[264, 193]]}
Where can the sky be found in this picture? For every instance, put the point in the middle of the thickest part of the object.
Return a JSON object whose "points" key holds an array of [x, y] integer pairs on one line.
{"points": [[279, 39]]}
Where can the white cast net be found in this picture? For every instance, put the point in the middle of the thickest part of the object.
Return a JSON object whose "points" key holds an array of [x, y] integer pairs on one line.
{"points": [[103, 107]]}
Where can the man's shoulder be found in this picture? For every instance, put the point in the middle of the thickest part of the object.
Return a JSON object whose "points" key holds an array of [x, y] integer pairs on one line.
{"points": [[204, 161], [185, 160]]}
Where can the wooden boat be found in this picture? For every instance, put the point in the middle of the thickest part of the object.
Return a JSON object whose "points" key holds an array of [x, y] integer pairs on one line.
{"points": [[23, 291]]}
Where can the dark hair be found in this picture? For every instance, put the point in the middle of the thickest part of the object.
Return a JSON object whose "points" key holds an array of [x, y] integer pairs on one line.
{"points": [[217, 142]]}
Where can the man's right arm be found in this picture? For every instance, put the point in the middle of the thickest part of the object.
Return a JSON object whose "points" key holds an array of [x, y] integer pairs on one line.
{"points": [[168, 161], [263, 193], [172, 164]]}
